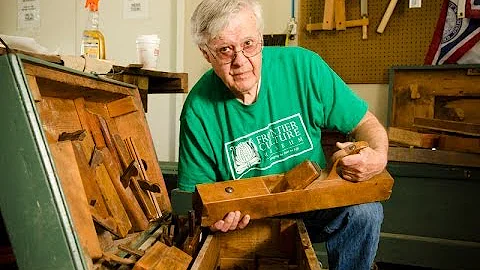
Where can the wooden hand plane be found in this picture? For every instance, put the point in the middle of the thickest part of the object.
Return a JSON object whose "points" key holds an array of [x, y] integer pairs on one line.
{"points": [[302, 189]]}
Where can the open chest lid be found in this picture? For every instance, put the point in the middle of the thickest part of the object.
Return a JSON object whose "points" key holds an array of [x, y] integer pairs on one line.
{"points": [[78, 155]]}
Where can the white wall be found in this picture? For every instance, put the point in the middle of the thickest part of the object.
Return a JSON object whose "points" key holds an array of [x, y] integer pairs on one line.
{"points": [[62, 23], [56, 32], [377, 97]]}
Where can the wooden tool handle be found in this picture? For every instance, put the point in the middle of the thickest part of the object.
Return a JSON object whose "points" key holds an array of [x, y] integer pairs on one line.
{"points": [[299, 177], [352, 149], [132, 207], [386, 16], [364, 32]]}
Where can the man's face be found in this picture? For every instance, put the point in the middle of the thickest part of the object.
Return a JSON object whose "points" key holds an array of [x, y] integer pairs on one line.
{"points": [[241, 76]]}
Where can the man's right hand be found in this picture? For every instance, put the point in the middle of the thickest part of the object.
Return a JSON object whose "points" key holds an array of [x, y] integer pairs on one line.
{"points": [[231, 222]]}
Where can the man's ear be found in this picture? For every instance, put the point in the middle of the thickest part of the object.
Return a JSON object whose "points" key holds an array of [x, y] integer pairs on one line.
{"points": [[205, 54]]}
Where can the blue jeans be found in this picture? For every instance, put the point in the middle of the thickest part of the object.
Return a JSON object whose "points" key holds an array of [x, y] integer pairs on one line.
{"points": [[351, 234]]}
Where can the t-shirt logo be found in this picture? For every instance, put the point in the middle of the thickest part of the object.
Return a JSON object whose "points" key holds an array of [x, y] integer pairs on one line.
{"points": [[261, 149], [245, 155]]}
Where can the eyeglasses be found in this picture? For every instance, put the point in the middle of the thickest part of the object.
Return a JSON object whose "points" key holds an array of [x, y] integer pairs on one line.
{"points": [[226, 55]]}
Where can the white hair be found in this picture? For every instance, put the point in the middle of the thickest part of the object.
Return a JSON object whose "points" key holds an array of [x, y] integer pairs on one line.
{"points": [[212, 16]]}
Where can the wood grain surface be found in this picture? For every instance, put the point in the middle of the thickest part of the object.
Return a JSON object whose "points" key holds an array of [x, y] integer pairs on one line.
{"points": [[250, 196], [71, 180]]}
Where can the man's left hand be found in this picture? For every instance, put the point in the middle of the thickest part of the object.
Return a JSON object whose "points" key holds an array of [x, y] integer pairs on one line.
{"points": [[231, 222], [361, 166]]}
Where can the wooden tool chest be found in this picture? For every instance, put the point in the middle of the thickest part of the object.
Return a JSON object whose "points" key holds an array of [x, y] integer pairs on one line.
{"points": [[431, 219], [83, 188], [81, 166], [435, 107], [263, 244]]}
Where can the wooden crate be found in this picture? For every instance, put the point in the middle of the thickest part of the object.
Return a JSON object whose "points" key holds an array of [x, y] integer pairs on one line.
{"points": [[263, 244], [435, 107]]}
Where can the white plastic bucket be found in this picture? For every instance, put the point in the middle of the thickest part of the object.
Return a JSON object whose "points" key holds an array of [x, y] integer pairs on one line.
{"points": [[148, 48]]}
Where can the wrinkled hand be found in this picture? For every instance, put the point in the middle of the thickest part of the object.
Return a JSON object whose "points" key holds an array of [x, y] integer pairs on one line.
{"points": [[361, 166], [231, 222]]}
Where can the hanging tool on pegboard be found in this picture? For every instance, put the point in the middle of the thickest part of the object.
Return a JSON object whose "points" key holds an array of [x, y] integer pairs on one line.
{"points": [[386, 16], [334, 18], [364, 15], [292, 24]]}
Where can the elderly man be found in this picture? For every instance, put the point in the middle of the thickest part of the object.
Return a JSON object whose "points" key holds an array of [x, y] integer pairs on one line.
{"points": [[261, 110]]}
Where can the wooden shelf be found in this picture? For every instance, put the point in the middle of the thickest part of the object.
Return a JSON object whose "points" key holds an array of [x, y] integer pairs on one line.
{"points": [[151, 81]]}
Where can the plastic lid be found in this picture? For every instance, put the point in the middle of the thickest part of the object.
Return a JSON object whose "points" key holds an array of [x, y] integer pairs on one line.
{"points": [[148, 38], [92, 5]]}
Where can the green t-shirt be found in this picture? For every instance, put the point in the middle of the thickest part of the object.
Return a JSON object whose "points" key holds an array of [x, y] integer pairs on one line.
{"points": [[223, 139]]}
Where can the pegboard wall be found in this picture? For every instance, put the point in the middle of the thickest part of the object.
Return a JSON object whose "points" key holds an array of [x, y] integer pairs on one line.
{"points": [[405, 41]]}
